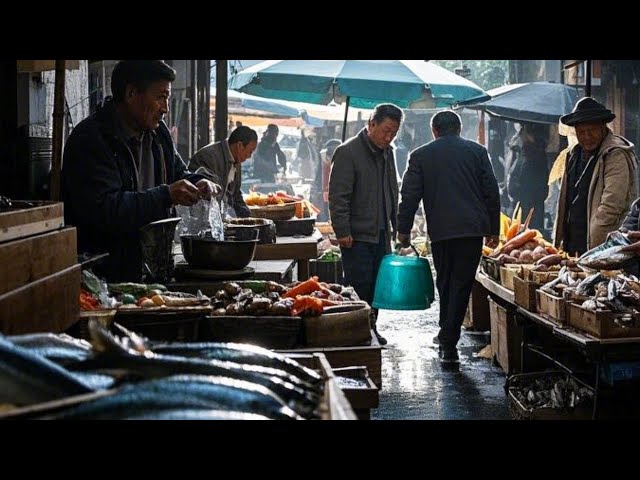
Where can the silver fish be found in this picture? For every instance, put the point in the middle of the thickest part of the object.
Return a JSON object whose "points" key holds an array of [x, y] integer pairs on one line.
{"points": [[62, 349], [183, 392], [27, 378]]}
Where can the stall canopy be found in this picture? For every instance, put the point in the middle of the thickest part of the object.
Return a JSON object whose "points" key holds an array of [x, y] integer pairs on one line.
{"points": [[536, 102], [358, 83]]}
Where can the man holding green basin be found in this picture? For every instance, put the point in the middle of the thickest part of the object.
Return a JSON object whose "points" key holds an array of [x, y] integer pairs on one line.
{"points": [[454, 179]]}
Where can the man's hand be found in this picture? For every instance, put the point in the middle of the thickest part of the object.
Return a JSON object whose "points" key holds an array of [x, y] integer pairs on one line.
{"points": [[404, 239], [183, 192], [208, 188], [492, 241], [346, 242]]}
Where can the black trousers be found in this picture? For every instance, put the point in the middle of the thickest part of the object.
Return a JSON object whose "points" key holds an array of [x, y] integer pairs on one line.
{"points": [[456, 262], [361, 263]]}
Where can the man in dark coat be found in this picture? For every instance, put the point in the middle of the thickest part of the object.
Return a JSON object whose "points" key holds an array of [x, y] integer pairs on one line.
{"points": [[121, 170], [268, 155], [454, 179], [221, 163], [363, 200]]}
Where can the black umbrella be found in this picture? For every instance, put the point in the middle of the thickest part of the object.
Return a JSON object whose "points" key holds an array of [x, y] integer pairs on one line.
{"points": [[536, 102]]}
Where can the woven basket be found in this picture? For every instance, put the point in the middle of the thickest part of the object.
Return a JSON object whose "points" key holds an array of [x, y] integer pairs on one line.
{"points": [[274, 212]]}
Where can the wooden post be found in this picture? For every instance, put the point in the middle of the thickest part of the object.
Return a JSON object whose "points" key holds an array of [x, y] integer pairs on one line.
{"points": [[58, 125]]}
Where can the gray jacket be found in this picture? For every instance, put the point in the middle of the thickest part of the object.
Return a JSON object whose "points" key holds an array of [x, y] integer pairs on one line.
{"points": [[354, 193], [217, 162]]}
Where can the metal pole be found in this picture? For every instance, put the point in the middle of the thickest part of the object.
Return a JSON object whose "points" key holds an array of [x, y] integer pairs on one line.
{"points": [[222, 107], [346, 114], [587, 86], [58, 125]]}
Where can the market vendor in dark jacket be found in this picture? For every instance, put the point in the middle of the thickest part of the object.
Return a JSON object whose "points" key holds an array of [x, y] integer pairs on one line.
{"points": [[221, 162], [363, 200], [121, 169], [454, 179]]}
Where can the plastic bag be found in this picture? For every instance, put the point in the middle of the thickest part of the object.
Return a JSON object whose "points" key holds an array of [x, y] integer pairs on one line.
{"points": [[202, 219]]}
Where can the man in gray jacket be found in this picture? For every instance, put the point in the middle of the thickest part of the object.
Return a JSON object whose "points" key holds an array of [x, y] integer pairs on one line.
{"points": [[454, 179], [220, 162], [363, 200]]}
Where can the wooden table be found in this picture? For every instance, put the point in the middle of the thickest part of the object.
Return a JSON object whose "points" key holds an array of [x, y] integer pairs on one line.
{"points": [[276, 270], [300, 249]]}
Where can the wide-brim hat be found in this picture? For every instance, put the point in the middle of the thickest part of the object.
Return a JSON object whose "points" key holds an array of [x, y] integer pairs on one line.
{"points": [[588, 110]]}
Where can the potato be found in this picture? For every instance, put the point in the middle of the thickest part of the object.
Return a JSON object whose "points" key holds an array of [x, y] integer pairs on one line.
{"points": [[515, 253], [530, 245], [539, 249], [526, 257]]}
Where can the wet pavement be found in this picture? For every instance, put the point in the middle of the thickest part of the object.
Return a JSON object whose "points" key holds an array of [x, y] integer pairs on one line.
{"points": [[416, 386]]}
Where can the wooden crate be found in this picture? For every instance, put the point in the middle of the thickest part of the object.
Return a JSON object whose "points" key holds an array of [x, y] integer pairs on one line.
{"points": [[542, 277], [27, 260], [507, 274], [338, 329], [477, 314], [491, 267], [369, 356], [506, 337], [525, 293], [600, 324], [551, 307], [362, 398], [24, 222], [49, 304]]}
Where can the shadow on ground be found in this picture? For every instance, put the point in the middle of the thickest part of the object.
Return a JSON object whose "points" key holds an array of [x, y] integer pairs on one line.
{"points": [[417, 387]]}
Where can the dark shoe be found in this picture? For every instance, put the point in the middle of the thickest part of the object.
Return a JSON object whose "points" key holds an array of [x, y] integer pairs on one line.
{"points": [[448, 355], [436, 340], [381, 339]]}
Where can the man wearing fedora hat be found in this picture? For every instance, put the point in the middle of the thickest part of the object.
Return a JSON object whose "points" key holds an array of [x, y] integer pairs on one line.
{"points": [[599, 181]]}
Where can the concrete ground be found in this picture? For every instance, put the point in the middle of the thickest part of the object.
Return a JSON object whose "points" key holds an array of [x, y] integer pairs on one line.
{"points": [[416, 386]]}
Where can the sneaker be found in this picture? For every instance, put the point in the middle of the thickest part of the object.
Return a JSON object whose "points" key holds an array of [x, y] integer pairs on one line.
{"points": [[448, 355], [381, 339]]}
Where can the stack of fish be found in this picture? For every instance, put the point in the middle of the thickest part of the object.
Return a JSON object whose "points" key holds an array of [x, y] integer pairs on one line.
{"points": [[165, 381]]}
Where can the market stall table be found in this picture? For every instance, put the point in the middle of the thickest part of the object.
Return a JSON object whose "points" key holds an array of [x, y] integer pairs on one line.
{"points": [[301, 249]]}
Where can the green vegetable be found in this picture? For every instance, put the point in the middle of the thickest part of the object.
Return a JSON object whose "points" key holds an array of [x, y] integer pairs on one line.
{"points": [[90, 282], [256, 286], [127, 299], [157, 286], [135, 289]]}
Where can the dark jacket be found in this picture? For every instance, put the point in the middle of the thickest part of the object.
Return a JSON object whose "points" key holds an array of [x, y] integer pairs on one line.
{"points": [[354, 194], [266, 159], [217, 159], [454, 179], [100, 191]]}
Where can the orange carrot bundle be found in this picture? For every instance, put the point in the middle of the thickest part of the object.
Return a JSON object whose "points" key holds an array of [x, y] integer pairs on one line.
{"points": [[304, 288]]}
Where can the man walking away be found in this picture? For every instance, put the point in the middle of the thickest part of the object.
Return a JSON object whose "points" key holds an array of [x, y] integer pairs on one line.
{"points": [[454, 179]]}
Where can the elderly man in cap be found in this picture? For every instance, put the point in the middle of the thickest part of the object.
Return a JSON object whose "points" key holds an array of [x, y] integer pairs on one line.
{"points": [[599, 181]]}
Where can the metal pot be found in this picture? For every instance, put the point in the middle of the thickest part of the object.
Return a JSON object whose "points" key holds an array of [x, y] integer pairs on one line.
{"points": [[156, 243], [243, 228], [217, 255]]}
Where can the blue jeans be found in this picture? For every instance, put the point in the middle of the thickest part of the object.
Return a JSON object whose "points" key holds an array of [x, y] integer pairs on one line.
{"points": [[361, 263]]}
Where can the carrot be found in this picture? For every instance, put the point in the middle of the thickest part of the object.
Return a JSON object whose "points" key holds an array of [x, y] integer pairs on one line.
{"points": [[513, 230], [516, 241], [303, 288], [329, 303]]}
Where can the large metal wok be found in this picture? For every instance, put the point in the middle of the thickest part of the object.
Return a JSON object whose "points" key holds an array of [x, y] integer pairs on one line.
{"points": [[213, 254]]}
